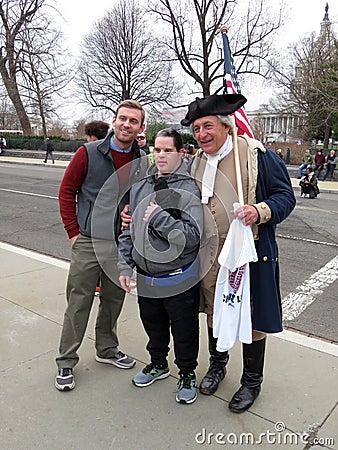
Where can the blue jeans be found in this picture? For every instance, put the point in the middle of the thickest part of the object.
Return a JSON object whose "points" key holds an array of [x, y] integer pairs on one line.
{"points": [[318, 170], [329, 169], [301, 167]]}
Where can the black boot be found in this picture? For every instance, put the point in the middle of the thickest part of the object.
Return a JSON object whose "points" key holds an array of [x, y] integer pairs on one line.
{"points": [[252, 378], [216, 371]]}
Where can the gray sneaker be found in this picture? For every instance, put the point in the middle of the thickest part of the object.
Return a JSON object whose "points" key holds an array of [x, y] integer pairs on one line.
{"points": [[187, 392], [119, 360], [150, 374], [64, 380]]}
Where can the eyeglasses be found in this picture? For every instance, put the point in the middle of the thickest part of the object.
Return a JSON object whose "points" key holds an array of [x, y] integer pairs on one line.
{"points": [[141, 138]]}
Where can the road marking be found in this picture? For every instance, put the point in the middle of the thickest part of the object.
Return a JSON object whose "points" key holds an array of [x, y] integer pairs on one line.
{"points": [[309, 208], [287, 335], [312, 241], [307, 292], [28, 193]]}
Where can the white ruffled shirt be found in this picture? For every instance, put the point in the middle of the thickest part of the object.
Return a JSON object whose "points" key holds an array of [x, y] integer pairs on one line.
{"points": [[209, 175]]}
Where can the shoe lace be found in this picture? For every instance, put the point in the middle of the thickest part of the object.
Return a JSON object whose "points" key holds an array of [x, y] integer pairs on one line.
{"points": [[186, 381], [66, 372]]}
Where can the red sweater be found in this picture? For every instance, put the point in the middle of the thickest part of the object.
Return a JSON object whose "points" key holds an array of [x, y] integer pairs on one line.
{"points": [[73, 178]]}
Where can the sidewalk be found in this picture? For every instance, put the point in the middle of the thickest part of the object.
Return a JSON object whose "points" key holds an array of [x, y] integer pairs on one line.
{"points": [[105, 411], [324, 186], [32, 161]]}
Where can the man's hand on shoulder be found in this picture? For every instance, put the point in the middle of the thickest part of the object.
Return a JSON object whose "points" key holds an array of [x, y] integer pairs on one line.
{"points": [[125, 218]]}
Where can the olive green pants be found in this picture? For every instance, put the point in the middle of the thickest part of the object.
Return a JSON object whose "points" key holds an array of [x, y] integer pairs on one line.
{"points": [[85, 270]]}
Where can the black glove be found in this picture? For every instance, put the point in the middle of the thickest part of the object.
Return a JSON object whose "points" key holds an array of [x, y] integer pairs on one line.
{"points": [[168, 199]]}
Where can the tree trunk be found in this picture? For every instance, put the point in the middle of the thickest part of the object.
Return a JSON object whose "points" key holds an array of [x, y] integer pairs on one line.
{"points": [[328, 131], [14, 95]]}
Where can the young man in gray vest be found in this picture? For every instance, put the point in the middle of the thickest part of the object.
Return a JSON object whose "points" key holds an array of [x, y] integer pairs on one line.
{"points": [[93, 191]]}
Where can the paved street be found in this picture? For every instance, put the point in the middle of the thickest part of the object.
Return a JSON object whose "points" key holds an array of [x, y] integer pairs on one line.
{"points": [[308, 240]]}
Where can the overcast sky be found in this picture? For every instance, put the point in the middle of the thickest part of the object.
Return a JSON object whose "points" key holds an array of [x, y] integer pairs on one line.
{"points": [[304, 17]]}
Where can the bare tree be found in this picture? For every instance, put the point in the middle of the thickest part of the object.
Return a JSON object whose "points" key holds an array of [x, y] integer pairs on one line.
{"points": [[193, 28], [122, 58], [311, 83], [8, 117], [79, 126], [58, 128], [258, 128], [28, 59], [44, 71], [14, 15]]}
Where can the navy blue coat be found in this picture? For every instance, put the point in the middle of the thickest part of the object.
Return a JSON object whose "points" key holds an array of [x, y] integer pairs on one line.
{"points": [[275, 189]]}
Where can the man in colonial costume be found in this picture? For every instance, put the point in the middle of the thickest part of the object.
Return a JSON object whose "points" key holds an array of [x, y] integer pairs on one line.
{"points": [[268, 199]]}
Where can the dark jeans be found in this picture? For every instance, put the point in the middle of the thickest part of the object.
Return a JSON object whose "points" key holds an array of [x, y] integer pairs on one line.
{"points": [[180, 312], [329, 170], [51, 154], [318, 170], [308, 189]]}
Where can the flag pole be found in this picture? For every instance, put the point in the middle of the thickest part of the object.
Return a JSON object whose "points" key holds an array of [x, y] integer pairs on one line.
{"points": [[236, 153], [237, 167]]}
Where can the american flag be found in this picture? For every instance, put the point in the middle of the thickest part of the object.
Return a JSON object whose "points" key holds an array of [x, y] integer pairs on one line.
{"points": [[231, 86]]}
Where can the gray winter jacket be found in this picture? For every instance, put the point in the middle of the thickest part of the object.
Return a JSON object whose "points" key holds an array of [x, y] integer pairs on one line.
{"points": [[171, 237]]}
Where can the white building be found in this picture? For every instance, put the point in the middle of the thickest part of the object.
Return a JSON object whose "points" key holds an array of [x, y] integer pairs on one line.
{"points": [[275, 126]]}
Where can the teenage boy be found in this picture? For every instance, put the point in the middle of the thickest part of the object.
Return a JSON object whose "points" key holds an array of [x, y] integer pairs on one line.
{"points": [[162, 244]]}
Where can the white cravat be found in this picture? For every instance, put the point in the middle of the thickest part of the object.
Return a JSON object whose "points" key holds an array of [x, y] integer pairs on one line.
{"points": [[210, 170]]}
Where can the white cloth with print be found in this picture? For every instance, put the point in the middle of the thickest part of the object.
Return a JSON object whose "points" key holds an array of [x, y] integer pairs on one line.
{"points": [[232, 311]]}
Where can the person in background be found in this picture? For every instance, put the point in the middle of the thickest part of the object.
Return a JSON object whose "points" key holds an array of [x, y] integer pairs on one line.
{"points": [[319, 162], [100, 168], [166, 211], [2, 144], [189, 151], [331, 162], [142, 142], [49, 151], [95, 130], [307, 161], [280, 153], [268, 200]]}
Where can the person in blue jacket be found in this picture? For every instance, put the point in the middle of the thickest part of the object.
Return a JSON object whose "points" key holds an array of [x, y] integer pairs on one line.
{"points": [[268, 200]]}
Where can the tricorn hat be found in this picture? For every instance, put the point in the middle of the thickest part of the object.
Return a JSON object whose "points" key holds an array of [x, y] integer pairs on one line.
{"points": [[213, 105]]}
